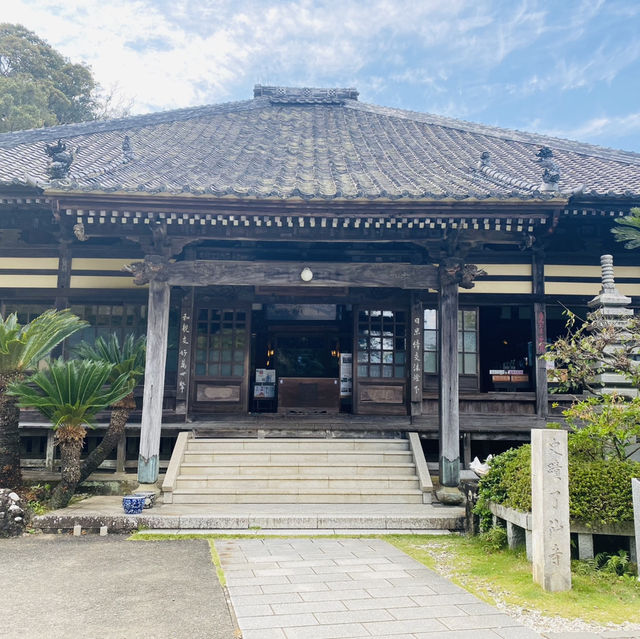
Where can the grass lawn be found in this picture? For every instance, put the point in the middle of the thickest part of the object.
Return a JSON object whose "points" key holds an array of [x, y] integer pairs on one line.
{"points": [[506, 576]]}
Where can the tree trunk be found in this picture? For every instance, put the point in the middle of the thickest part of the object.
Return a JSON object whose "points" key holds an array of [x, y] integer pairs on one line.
{"points": [[119, 416], [10, 475], [70, 439]]}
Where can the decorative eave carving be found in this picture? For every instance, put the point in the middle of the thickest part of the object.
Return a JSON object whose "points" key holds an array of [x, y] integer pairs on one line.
{"points": [[454, 271], [154, 267]]}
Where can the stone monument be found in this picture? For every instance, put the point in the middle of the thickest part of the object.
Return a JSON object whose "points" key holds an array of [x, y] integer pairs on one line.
{"points": [[635, 487], [551, 551]]}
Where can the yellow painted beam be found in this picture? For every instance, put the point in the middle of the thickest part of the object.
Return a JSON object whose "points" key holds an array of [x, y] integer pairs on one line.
{"points": [[28, 281], [29, 263]]}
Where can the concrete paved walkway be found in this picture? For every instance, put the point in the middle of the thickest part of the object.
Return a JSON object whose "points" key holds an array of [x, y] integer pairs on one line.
{"points": [[347, 588], [61, 587]]}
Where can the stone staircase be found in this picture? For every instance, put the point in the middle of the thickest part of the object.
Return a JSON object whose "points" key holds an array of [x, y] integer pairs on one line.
{"points": [[297, 471]]}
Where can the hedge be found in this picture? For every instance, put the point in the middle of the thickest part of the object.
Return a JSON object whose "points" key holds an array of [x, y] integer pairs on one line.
{"points": [[599, 491]]}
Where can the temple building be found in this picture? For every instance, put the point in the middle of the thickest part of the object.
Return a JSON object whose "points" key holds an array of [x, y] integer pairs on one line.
{"points": [[305, 263]]}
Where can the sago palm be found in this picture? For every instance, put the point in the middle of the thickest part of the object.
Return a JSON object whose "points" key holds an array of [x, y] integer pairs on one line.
{"points": [[629, 229], [127, 359], [21, 348], [69, 394]]}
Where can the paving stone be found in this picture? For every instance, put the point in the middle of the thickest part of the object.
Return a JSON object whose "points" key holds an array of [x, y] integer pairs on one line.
{"points": [[339, 631], [572, 635], [460, 634], [294, 608], [403, 626], [264, 633], [268, 599], [516, 633], [429, 612], [477, 609], [276, 621], [380, 602], [335, 595], [353, 616], [482, 621], [252, 610]]}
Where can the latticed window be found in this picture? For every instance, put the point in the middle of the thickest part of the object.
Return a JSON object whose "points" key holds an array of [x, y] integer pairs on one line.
{"points": [[106, 319], [467, 341], [221, 341], [382, 343]]}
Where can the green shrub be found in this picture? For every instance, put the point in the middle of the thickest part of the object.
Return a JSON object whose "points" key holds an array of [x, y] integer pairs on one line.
{"points": [[494, 539], [600, 491], [508, 483]]}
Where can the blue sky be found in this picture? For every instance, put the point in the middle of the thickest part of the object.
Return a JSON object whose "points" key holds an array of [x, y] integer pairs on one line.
{"points": [[564, 67]]}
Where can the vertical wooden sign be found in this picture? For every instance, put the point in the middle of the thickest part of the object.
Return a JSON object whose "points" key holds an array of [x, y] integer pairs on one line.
{"points": [[184, 353], [417, 357]]}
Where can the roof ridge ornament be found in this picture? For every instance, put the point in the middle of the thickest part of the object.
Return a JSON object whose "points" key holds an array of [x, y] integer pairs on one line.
{"points": [[127, 150], [304, 95], [61, 159], [551, 173]]}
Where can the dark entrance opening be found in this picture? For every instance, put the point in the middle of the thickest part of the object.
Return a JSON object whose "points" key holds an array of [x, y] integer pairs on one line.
{"points": [[298, 354]]}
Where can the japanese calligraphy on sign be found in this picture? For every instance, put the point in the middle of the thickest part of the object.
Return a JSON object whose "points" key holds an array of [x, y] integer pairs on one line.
{"points": [[416, 352], [184, 350]]}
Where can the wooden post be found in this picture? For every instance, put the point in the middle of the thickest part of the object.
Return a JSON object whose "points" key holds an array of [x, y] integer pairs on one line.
{"points": [[64, 276], [50, 451], [184, 354], [121, 453], [449, 410], [417, 356], [540, 336], [157, 328]]}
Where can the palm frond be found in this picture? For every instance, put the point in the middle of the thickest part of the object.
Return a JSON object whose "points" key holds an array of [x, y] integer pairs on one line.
{"points": [[126, 358], [629, 230], [71, 392], [22, 347]]}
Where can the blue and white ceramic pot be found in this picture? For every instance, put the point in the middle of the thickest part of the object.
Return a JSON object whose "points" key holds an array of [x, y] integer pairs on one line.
{"points": [[133, 504]]}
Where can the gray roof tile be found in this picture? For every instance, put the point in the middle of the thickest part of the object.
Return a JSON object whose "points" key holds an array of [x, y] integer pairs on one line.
{"points": [[314, 146]]}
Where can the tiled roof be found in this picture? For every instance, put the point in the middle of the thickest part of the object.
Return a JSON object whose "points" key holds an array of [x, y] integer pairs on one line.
{"points": [[312, 144]]}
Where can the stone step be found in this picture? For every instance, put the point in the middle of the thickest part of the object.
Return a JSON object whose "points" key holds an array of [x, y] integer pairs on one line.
{"points": [[296, 445], [282, 482], [295, 496], [354, 458], [298, 470]]}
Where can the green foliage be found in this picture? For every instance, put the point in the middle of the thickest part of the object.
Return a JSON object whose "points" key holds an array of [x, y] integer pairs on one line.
{"points": [[71, 392], [604, 427], [38, 86], [126, 359], [629, 230], [22, 347], [494, 539], [600, 491], [618, 564], [507, 483]]}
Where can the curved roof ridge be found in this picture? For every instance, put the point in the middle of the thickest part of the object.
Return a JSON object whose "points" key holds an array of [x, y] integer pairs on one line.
{"points": [[563, 144]]}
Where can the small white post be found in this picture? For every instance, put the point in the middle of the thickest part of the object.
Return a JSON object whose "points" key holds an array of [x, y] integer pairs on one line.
{"points": [[551, 549]]}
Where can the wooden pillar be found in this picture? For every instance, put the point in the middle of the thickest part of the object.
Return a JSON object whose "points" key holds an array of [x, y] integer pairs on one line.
{"points": [[417, 356], [449, 410], [184, 354], [157, 328], [64, 276], [540, 336]]}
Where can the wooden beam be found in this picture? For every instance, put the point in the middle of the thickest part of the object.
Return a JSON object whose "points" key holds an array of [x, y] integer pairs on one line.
{"points": [[449, 427], [540, 336], [206, 273], [157, 329]]}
